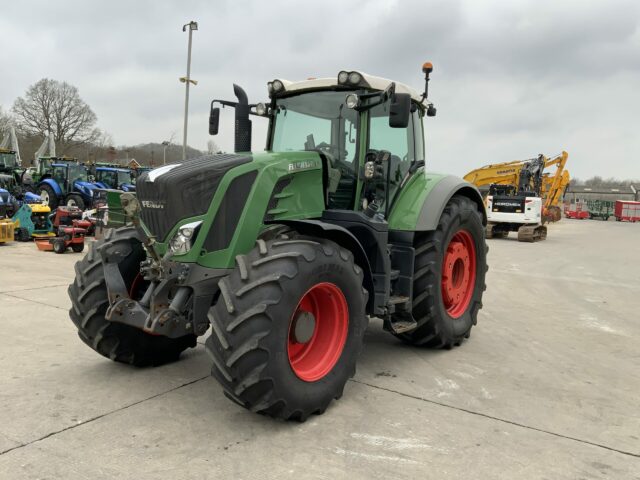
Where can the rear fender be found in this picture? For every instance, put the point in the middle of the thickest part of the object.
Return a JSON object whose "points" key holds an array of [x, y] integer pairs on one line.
{"points": [[342, 237]]}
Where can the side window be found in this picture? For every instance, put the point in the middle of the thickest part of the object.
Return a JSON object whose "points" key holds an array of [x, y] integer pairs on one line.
{"points": [[399, 141], [418, 134]]}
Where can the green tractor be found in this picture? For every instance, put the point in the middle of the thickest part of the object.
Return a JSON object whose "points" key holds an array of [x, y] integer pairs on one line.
{"points": [[286, 253]]}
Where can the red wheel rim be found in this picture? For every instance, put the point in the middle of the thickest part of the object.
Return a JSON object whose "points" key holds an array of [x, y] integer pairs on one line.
{"points": [[458, 273], [313, 358]]}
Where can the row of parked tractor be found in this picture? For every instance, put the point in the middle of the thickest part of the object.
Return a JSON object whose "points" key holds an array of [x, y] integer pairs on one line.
{"points": [[57, 202]]}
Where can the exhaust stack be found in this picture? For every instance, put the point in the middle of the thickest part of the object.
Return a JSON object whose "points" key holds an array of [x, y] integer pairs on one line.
{"points": [[243, 124]]}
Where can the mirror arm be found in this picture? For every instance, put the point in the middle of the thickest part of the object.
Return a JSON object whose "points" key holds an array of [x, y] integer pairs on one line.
{"points": [[224, 103]]}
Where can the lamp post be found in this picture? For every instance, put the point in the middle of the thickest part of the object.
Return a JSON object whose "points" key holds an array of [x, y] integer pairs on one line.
{"points": [[165, 144], [187, 80]]}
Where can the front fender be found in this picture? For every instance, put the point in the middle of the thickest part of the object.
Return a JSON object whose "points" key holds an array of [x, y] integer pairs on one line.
{"points": [[423, 199], [344, 238]]}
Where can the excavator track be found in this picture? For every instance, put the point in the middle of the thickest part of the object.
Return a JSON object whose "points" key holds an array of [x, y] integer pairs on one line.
{"points": [[490, 231], [532, 233]]}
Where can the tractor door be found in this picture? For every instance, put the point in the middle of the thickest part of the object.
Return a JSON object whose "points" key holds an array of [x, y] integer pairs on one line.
{"points": [[60, 176], [405, 144]]}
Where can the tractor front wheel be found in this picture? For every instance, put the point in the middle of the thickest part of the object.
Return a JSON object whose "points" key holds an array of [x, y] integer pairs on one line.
{"points": [[449, 277], [75, 200], [89, 302], [59, 245], [288, 326], [48, 197]]}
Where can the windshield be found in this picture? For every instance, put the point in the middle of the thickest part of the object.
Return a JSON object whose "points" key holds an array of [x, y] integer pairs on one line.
{"points": [[316, 121], [320, 121], [8, 160], [77, 172], [124, 177]]}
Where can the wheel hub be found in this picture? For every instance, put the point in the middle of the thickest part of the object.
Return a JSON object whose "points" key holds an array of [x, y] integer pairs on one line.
{"points": [[318, 331], [304, 324], [458, 273]]}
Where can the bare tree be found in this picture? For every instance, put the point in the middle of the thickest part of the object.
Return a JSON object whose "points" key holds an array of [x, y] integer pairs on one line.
{"points": [[212, 147], [5, 120], [50, 105]]}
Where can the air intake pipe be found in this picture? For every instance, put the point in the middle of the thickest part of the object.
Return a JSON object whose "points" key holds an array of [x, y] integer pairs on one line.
{"points": [[243, 124]]}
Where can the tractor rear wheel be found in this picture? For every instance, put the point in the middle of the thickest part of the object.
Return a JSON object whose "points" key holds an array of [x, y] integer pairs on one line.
{"points": [[449, 277], [288, 326], [88, 293], [77, 247]]}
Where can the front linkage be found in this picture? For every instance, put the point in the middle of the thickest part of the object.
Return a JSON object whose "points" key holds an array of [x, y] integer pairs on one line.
{"points": [[165, 298]]}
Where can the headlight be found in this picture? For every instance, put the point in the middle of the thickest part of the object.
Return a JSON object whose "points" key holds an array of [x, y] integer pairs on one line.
{"points": [[352, 100], [261, 109], [354, 78], [277, 85], [182, 241], [343, 77], [270, 87]]}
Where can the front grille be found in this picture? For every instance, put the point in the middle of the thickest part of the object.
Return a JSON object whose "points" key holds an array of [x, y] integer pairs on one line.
{"points": [[226, 220], [184, 191]]}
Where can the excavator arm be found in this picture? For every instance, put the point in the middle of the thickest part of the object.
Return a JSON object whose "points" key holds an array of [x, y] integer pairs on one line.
{"points": [[553, 186]]}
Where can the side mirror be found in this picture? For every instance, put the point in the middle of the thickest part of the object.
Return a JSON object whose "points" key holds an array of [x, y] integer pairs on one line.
{"points": [[400, 110], [214, 121]]}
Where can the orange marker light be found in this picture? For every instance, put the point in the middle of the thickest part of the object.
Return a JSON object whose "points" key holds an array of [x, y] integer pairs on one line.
{"points": [[427, 67]]}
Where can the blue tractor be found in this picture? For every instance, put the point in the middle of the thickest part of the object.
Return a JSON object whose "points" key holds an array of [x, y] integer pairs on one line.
{"points": [[66, 184], [114, 178]]}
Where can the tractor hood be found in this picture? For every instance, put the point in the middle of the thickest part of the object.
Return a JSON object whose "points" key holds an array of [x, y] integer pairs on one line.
{"points": [[180, 190], [87, 188]]}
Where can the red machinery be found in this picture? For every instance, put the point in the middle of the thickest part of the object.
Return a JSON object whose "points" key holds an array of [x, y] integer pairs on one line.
{"points": [[577, 210], [627, 211], [70, 229]]}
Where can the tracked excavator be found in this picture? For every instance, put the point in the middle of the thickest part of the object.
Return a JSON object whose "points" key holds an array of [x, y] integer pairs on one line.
{"points": [[520, 197]]}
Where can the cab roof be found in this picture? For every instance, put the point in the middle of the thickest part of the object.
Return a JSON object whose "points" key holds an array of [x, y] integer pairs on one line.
{"points": [[368, 81]]}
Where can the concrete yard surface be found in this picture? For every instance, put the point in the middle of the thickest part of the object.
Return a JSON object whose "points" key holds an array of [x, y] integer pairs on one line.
{"points": [[547, 387]]}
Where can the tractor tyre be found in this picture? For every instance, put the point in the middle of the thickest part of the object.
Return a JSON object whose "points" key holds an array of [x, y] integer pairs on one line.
{"points": [[449, 277], [77, 247], [48, 196], [59, 245], [75, 200], [288, 326], [117, 341], [22, 235]]}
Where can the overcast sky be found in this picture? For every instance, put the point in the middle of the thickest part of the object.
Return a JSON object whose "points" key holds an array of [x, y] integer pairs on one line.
{"points": [[511, 79]]}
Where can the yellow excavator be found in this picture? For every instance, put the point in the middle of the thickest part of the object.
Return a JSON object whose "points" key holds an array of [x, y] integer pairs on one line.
{"points": [[552, 187]]}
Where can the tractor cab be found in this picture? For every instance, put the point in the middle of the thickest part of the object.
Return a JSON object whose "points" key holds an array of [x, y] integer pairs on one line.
{"points": [[114, 178], [367, 131], [8, 160]]}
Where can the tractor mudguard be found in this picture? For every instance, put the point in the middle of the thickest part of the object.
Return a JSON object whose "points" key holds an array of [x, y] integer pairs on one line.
{"points": [[344, 238], [53, 184], [421, 202]]}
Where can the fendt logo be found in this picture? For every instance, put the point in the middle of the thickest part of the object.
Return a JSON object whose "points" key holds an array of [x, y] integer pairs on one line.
{"points": [[152, 204], [302, 165]]}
